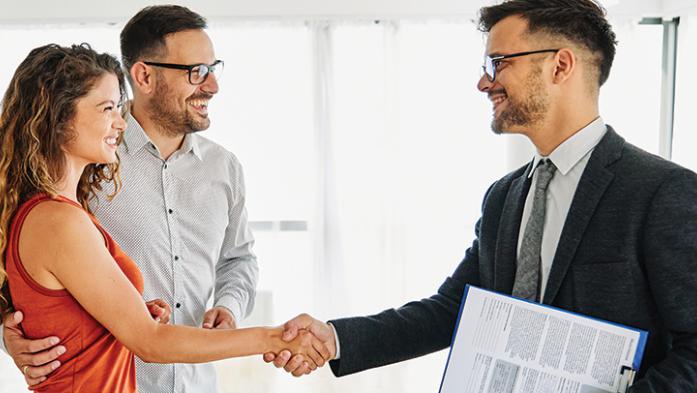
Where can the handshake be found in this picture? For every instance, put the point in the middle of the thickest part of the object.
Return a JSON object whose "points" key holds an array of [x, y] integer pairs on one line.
{"points": [[300, 346], [305, 345]]}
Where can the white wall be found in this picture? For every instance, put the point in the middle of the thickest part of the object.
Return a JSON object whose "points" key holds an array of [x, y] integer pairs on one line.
{"points": [[89, 10], [672, 8]]}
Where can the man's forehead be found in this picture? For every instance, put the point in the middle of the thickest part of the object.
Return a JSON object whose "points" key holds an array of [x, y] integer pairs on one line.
{"points": [[509, 34], [189, 47]]}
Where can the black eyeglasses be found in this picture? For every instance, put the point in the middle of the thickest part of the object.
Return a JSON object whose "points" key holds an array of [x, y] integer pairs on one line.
{"points": [[198, 73], [491, 63]]}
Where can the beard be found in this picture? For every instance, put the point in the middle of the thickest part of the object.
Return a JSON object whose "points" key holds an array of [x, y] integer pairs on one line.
{"points": [[525, 112], [172, 120]]}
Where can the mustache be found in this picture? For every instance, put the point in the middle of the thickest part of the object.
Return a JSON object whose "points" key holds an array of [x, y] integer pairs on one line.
{"points": [[202, 96], [496, 92]]}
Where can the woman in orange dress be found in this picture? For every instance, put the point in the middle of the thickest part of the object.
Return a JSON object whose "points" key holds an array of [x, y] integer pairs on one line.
{"points": [[59, 130]]}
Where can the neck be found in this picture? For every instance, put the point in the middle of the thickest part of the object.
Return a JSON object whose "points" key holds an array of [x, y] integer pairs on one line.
{"points": [[558, 128], [67, 185], [165, 142]]}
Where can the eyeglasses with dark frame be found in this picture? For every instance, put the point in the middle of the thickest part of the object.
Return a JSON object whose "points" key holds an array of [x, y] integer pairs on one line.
{"points": [[198, 73], [491, 63]]}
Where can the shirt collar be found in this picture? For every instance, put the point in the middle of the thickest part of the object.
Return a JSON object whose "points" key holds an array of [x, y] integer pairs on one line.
{"points": [[572, 150], [191, 144], [135, 139]]}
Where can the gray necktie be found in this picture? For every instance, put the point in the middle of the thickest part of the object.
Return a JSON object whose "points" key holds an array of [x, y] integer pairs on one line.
{"points": [[527, 276]]}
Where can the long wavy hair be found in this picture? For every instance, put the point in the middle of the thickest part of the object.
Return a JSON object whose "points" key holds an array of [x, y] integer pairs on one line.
{"points": [[36, 125]]}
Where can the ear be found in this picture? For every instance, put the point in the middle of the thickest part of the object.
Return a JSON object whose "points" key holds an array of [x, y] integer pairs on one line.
{"points": [[565, 64], [142, 77]]}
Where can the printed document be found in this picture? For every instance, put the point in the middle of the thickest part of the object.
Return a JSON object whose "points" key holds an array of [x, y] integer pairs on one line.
{"points": [[507, 345]]}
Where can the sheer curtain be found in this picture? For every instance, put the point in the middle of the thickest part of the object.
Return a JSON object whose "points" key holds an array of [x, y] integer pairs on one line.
{"points": [[401, 158]]}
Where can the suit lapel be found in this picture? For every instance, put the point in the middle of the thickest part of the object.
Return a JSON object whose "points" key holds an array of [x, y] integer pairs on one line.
{"points": [[593, 183], [507, 236]]}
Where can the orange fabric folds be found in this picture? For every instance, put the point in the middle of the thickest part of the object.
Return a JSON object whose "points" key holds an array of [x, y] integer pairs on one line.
{"points": [[95, 361]]}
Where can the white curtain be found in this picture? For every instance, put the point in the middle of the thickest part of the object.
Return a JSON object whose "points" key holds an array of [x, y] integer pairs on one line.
{"points": [[407, 158]]}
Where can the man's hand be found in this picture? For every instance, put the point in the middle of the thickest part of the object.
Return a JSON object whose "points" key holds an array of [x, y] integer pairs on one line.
{"points": [[159, 310], [297, 364], [35, 358], [219, 318]]}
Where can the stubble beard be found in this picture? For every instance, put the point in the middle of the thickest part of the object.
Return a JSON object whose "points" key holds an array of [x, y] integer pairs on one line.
{"points": [[529, 111], [171, 121]]}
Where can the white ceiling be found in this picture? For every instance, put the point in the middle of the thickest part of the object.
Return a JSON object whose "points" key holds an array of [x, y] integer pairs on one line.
{"points": [[48, 11]]}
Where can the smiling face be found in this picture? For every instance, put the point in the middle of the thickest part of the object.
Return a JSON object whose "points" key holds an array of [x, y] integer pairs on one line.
{"points": [[519, 95], [177, 105], [97, 123]]}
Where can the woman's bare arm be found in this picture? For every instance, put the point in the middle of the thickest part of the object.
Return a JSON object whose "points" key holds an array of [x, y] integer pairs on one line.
{"points": [[62, 240]]}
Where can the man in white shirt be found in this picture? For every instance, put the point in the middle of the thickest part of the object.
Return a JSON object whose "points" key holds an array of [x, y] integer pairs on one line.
{"points": [[592, 224], [181, 211]]}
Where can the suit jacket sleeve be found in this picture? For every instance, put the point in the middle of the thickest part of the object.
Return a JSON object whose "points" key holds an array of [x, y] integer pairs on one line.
{"points": [[670, 249], [415, 329]]}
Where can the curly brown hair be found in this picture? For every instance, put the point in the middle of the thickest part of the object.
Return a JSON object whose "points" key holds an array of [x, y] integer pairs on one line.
{"points": [[37, 111]]}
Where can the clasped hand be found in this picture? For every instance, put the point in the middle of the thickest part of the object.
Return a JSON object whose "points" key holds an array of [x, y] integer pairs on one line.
{"points": [[304, 345], [304, 328]]}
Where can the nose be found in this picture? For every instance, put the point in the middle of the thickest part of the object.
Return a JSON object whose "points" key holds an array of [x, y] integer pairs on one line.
{"points": [[484, 85], [119, 122], [210, 85]]}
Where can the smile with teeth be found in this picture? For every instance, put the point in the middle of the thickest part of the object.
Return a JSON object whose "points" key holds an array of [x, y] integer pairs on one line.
{"points": [[111, 141], [498, 99], [199, 104]]}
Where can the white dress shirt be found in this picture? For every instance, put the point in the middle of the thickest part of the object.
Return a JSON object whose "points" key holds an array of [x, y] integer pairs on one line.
{"points": [[183, 221], [570, 158]]}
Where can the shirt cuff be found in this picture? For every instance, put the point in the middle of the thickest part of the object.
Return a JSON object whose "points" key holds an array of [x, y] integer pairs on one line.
{"points": [[232, 305], [336, 341]]}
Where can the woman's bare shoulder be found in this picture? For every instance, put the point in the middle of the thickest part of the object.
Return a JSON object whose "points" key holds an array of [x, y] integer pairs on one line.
{"points": [[55, 222]]}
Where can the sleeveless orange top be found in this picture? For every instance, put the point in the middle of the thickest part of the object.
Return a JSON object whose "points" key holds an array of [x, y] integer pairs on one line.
{"points": [[94, 361]]}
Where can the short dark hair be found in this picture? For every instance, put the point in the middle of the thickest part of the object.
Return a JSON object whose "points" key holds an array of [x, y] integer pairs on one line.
{"points": [[580, 21], [144, 35]]}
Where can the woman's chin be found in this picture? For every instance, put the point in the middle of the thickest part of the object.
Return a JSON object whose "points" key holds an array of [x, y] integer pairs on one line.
{"points": [[106, 159]]}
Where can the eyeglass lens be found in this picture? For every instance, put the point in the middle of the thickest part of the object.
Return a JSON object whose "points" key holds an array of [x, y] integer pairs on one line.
{"points": [[489, 68], [199, 74]]}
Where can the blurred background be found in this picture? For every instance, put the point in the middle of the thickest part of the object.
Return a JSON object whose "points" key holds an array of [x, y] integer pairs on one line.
{"points": [[366, 146]]}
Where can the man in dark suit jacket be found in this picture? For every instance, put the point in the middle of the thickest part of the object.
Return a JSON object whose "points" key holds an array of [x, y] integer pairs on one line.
{"points": [[620, 226]]}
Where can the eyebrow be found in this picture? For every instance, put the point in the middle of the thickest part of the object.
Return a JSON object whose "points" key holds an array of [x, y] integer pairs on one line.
{"points": [[106, 102]]}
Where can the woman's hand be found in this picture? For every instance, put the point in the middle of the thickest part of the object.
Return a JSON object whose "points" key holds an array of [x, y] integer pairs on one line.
{"points": [[160, 310]]}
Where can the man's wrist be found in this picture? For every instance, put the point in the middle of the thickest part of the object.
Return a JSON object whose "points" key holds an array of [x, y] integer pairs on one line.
{"points": [[232, 306]]}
